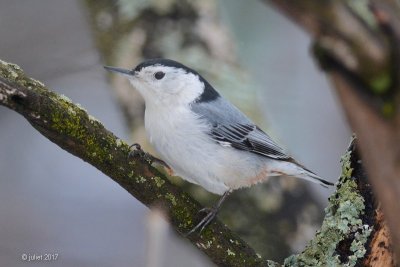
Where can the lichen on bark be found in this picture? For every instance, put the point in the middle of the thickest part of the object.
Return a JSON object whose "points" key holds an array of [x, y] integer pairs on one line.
{"points": [[345, 232]]}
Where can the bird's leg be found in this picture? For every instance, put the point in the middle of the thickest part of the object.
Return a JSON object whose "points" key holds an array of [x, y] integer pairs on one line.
{"points": [[138, 151], [210, 214]]}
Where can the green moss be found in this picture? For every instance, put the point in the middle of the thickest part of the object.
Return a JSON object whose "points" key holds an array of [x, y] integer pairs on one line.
{"points": [[388, 109], [140, 179], [342, 220], [171, 198], [185, 223], [159, 181], [181, 212], [119, 142], [94, 120], [10, 70], [65, 98], [73, 124], [230, 252], [234, 242], [381, 84], [14, 73]]}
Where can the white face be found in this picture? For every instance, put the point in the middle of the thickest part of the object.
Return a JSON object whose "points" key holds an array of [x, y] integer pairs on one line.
{"points": [[161, 85]]}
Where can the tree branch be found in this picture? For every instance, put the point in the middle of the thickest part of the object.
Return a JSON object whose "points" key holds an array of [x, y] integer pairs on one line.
{"points": [[70, 127]]}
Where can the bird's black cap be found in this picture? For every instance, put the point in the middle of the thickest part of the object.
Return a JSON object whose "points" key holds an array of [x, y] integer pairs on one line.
{"points": [[209, 93], [162, 62]]}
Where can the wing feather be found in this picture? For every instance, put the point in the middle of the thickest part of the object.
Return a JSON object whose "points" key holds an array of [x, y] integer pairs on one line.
{"points": [[230, 127], [247, 137]]}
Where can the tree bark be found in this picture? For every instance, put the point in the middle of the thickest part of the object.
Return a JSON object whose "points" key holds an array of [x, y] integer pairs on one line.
{"points": [[358, 46], [353, 232]]}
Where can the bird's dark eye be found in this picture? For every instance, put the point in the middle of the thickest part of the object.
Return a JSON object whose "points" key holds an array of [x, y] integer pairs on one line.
{"points": [[159, 75]]}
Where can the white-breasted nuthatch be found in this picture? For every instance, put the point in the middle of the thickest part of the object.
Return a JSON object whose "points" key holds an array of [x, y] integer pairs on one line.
{"points": [[202, 136]]}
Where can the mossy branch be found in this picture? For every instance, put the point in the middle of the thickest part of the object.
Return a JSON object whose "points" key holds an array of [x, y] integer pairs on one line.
{"points": [[351, 233], [70, 127]]}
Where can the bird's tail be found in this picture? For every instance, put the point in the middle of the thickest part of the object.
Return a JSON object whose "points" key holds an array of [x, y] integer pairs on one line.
{"points": [[295, 169], [312, 177]]}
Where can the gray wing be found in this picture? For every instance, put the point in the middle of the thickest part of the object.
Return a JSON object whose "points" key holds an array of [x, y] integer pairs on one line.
{"points": [[247, 137], [230, 127]]}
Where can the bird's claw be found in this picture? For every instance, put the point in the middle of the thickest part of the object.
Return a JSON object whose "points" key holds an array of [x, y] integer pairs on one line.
{"points": [[210, 215], [138, 151], [205, 210]]}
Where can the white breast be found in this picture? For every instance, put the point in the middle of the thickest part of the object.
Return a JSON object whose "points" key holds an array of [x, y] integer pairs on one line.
{"points": [[182, 142], [181, 139]]}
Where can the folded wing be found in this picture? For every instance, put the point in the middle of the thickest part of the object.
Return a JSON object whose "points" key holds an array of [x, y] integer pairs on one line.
{"points": [[247, 137]]}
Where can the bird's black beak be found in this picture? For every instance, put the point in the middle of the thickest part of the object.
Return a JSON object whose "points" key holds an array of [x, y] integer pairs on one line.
{"points": [[119, 70]]}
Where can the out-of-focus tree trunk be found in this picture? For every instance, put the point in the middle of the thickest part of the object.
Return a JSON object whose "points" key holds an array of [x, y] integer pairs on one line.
{"points": [[357, 43], [127, 32]]}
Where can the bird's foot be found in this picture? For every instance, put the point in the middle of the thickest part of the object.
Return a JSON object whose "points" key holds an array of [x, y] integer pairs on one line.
{"points": [[210, 215], [137, 151]]}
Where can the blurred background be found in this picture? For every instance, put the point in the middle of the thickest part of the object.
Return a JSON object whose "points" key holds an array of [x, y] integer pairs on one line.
{"points": [[53, 202]]}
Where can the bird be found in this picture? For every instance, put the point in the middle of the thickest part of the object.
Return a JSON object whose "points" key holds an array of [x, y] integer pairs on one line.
{"points": [[202, 137]]}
